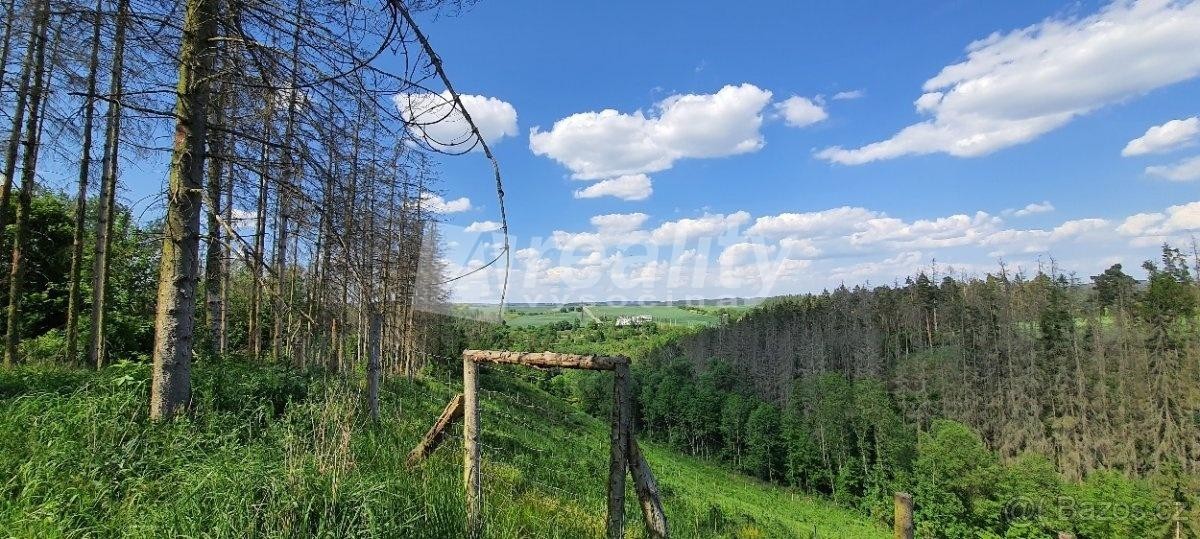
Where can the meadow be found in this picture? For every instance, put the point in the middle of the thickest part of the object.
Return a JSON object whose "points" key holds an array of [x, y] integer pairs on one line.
{"points": [[274, 453]]}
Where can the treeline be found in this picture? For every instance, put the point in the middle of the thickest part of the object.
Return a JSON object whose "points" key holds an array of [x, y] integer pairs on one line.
{"points": [[846, 439], [298, 220], [1102, 375], [1010, 405]]}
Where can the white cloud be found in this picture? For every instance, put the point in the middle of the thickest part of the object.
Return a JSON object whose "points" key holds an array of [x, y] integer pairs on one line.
{"points": [[851, 94], [437, 204], [709, 225], [801, 247], [619, 222], [889, 268], [606, 144], [1030, 209], [435, 115], [244, 218], [1017, 86], [815, 224], [800, 111], [1183, 171], [744, 253], [1181, 218], [627, 187], [960, 229], [1164, 138], [482, 226]]}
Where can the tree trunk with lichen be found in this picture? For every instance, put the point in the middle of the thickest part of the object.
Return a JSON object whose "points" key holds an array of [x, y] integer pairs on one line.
{"points": [[85, 165], [16, 274], [174, 321], [108, 190]]}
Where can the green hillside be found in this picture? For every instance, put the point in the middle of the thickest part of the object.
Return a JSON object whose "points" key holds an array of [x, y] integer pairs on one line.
{"points": [[274, 453], [671, 315]]}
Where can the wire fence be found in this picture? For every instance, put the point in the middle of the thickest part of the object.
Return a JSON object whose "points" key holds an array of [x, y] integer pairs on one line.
{"points": [[527, 419]]}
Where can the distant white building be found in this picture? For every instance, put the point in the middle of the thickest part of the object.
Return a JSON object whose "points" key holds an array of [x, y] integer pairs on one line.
{"points": [[638, 320]]}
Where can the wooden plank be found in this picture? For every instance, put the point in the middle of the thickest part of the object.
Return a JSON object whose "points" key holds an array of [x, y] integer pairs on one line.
{"points": [[619, 458], [647, 492], [471, 454], [433, 438], [903, 526], [547, 359]]}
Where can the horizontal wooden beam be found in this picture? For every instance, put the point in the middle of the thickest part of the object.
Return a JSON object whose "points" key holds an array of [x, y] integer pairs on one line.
{"points": [[546, 359]]}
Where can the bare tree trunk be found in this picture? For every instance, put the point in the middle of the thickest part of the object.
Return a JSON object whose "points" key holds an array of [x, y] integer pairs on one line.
{"points": [[171, 387], [16, 275], [254, 332], [212, 256], [11, 18], [41, 11], [226, 262], [284, 194], [108, 189], [373, 366], [85, 165]]}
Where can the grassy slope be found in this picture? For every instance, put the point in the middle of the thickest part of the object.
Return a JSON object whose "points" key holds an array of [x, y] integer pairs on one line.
{"points": [[275, 454]]}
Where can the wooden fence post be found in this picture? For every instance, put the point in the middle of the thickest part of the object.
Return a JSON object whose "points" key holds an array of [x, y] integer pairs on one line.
{"points": [[373, 342], [437, 433], [620, 452], [904, 516], [471, 447], [647, 491]]}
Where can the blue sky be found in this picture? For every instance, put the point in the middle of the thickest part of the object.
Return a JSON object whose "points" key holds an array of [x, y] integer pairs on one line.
{"points": [[656, 150], [766, 183]]}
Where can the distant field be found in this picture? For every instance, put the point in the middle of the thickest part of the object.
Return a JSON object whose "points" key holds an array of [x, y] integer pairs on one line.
{"points": [[521, 316]]}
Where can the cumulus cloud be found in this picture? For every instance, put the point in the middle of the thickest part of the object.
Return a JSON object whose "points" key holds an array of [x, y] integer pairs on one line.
{"points": [[436, 116], [1183, 171], [1031, 208], [607, 144], [954, 230], [817, 224], [800, 111], [709, 225], [851, 94], [1038, 240], [1176, 219], [627, 187], [619, 222], [1164, 138], [437, 204], [482, 226], [1017, 86]]}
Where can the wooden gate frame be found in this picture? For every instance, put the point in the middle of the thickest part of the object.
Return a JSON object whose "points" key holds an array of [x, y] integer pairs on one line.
{"points": [[624, 455]]}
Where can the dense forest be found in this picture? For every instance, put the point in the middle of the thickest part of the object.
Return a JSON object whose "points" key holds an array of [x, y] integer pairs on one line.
{"points": [[978, 394]]}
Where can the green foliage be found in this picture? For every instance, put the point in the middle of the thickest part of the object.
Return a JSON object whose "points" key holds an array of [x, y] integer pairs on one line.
{"points": [[133, 278], [952, 471]]}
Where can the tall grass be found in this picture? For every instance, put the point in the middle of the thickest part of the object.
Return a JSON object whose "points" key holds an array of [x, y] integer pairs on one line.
{"points": [[273, 453]]}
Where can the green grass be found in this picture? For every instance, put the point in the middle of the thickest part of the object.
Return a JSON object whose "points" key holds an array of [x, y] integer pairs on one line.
{"points": [[272, 453]]}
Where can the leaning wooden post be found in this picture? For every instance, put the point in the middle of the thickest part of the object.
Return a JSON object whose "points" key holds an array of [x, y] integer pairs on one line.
{"points": [[620, 451], [373, 368], [471, 447], [647, 492], [437, 433], [904, 516]]}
